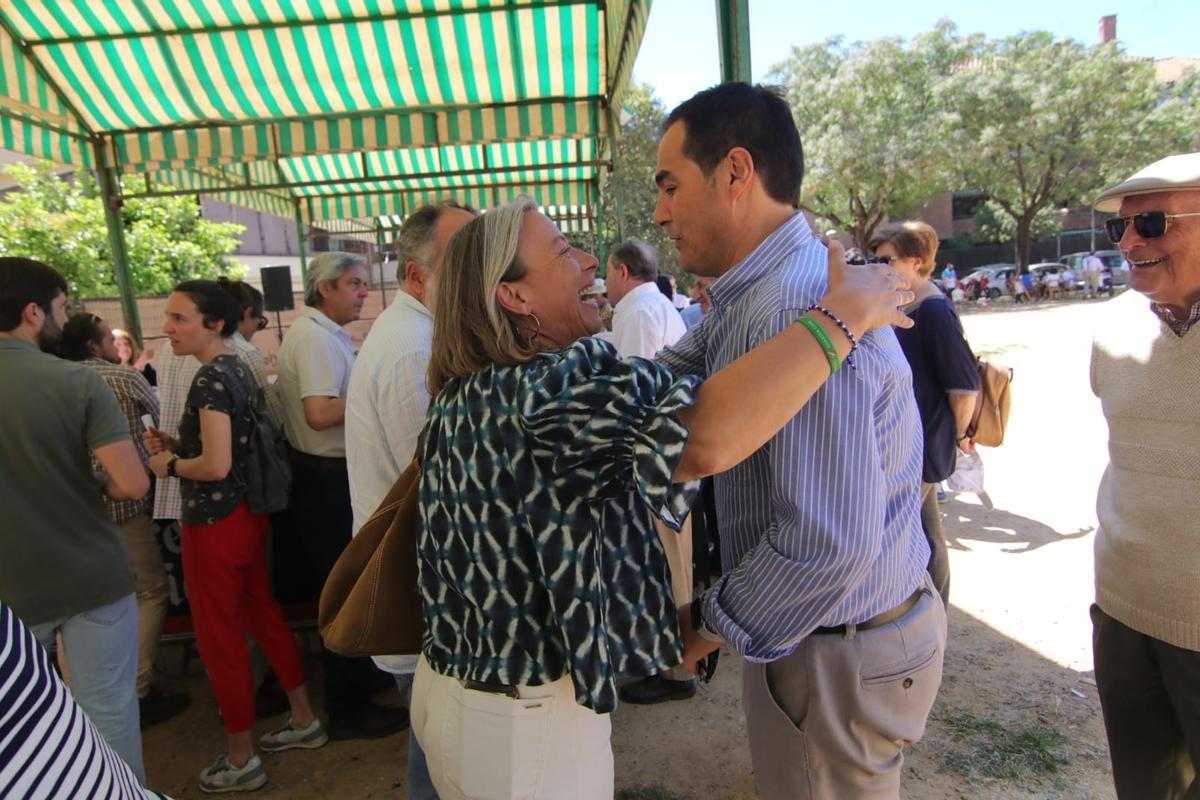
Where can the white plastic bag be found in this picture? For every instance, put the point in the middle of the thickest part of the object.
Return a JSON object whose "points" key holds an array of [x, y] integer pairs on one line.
{"points": [[968, 477]]}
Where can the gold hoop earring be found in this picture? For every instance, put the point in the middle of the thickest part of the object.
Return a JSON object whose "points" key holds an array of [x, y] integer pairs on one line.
{"points": [[538, 331]]}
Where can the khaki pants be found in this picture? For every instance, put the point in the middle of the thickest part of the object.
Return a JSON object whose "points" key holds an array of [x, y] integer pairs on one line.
{"points": [[151, 587], [829, 720], [679, 560], [1092, 279]]}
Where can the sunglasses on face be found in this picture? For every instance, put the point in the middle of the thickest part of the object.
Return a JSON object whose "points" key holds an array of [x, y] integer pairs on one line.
{"points": [[859, 260], [1148, 224], [263, 322]]}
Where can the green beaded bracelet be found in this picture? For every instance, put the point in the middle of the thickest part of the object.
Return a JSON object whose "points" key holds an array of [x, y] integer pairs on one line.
{"points": [[831, 354]]}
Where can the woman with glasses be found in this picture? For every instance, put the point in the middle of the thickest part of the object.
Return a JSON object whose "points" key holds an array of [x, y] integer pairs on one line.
{"points": [[945, 378], [545, 458], [251, 321]]}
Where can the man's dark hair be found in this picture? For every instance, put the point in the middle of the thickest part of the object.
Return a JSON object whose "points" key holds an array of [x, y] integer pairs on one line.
{"points": [[664, 286], [639, 257], [214, 304], [756, 118], [244, 294], [81, 330], [24, 281]]}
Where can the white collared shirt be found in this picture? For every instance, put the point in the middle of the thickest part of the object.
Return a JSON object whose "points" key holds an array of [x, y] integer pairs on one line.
{"points": [[644, 322], [385, 411], [314, 361]]}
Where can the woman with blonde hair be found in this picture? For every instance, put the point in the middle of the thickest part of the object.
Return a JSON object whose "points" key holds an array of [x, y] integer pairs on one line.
{"points": [[544, 456], [945, 378]]}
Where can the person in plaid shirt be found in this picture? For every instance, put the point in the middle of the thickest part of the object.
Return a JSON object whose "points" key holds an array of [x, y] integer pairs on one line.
{"points": [[89, 339]]}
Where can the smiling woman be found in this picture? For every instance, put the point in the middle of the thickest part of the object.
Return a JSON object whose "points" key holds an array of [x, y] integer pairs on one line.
{"points": [[546, 457]]}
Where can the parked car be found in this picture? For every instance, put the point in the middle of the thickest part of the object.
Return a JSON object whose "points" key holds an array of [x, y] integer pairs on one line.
{"points": [[1040, 271], [1113, 274], [996, 275]]}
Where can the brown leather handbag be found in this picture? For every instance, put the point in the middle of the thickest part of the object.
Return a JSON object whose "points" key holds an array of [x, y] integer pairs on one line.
{"points": [[370, 605]]}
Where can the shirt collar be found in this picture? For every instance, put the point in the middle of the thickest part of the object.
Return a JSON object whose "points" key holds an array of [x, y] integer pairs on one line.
{"points": [[761, 261], [13, 343], [411, 303], [1178, 326], [318, 316], [641, 290]]}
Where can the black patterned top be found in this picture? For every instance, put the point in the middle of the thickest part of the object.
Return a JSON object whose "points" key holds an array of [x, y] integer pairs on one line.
{"points": [[538, 556], [220, 385]]}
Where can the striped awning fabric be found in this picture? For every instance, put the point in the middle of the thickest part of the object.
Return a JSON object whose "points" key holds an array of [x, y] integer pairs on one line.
{"points": [[344, 109]]}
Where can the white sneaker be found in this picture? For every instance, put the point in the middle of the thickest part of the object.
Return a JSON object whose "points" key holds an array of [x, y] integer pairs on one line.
{"points": [[225, 777], [289, 736]]}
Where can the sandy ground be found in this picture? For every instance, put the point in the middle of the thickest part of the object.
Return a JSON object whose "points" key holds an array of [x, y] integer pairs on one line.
{"points": [[1019, 659]]}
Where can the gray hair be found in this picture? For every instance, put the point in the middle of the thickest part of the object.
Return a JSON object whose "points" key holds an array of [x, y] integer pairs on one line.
{"points": [[415, 241], [327, 268], [639, 257]]}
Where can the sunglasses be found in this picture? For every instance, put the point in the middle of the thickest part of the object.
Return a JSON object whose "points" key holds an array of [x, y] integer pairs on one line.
{"points": [[860, 260], [1148, 224], [263, 322]]}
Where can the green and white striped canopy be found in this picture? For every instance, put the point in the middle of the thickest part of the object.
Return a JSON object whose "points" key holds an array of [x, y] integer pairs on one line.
{"points": [[340, 109]]}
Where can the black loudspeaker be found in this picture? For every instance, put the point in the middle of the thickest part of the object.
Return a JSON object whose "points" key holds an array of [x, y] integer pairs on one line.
{"points": [[277, 288]]}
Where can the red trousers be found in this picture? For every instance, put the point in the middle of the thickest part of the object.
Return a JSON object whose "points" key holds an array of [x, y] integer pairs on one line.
{"points": [[225, 573]]}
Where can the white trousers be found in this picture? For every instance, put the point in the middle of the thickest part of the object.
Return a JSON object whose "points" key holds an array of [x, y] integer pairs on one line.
{"points": [[485, 746]]}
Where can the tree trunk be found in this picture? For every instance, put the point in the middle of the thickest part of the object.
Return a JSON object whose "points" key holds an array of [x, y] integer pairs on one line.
{"points": [[1024, 241]]}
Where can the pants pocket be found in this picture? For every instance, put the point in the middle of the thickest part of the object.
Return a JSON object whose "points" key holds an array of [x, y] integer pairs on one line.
{"points": [[898, 698], [495, 746]]}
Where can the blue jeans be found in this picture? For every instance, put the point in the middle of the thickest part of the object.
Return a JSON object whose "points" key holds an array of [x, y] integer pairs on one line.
{"points": [[420, 785], [101, 648]]}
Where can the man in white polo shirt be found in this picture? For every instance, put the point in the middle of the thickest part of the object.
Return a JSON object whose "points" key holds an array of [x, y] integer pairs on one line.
{"points": [[314, 374], [644, 322], [385, 410]]}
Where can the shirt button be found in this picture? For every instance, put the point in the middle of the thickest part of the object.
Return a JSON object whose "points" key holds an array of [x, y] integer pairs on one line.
{"points": [[908, 682]]}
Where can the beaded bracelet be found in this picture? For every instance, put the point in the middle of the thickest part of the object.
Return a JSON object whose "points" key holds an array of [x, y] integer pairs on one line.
{"points": [[845, 329], [823, 339]]}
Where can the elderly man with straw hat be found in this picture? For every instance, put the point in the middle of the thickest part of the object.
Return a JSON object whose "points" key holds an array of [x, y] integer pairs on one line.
{"points": [[1145, 370]]}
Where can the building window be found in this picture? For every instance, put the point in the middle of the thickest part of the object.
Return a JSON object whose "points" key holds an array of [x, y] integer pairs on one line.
{"points": [[965, 204]]}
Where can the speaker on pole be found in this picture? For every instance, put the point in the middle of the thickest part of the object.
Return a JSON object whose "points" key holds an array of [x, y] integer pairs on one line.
{"points": [[277, 288]]}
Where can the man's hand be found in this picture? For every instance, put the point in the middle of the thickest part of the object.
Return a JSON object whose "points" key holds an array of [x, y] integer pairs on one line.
{"points": [[156, 441], [695, 646]]}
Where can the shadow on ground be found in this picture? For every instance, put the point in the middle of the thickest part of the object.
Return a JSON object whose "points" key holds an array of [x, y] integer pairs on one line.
{"points": [[966, 521], [1006, 725]]}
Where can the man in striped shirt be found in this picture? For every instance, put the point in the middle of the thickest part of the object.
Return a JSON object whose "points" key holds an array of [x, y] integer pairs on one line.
{"points": [[824, 592]]}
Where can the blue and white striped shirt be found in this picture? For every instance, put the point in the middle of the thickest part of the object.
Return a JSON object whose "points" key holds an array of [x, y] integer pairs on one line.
{"points": [[821, 526], [48, 747]]}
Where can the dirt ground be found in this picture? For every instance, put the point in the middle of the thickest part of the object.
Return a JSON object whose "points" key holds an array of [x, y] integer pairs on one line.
{"points": [[1017, 716]]}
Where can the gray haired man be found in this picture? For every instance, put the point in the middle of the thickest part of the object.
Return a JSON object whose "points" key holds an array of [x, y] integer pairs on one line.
{"points": [[314, 375], [385, 410]]}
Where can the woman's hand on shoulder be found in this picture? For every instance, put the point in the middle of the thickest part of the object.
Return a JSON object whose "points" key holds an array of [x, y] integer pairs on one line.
{"points": [[865, 297]]}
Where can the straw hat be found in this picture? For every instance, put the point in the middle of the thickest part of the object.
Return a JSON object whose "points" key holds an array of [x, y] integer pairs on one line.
{"points": [[1171, 174]]}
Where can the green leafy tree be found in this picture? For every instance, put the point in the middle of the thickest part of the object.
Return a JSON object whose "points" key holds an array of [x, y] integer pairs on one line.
{"points": [[1042, 122], [994, 225], [630, 193], [61, 223], [874, 133]]}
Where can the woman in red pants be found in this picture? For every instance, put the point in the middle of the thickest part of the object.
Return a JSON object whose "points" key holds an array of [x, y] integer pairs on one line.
{"points": [[225, 571]]}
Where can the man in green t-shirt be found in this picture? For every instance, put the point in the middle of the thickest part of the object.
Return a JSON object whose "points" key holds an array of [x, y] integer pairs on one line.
{"points": [[64, 565]]}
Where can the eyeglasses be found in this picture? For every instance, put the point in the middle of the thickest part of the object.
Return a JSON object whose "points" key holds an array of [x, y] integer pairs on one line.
{"points": [[860, 260], [263, 322], [1148, 224]]}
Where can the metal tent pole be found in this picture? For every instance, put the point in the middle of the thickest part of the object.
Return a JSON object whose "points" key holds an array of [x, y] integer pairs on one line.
{"points": [[110, 195], [303, 246], [733, 29], [381, 251]]}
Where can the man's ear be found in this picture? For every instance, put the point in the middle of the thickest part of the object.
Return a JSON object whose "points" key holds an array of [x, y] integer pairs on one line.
{"points": [[512, 299], [413, 272], [33, 314], [740, 166]]}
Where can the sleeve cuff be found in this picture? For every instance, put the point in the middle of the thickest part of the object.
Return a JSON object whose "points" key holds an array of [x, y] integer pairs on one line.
{"points": [[658, 444]]}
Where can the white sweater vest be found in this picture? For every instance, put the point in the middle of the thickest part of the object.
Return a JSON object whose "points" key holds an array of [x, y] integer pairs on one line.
{"points": [[1148, 544]]}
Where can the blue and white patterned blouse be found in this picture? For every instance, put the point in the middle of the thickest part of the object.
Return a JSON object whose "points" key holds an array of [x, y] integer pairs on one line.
{"points": [[538, 556]]}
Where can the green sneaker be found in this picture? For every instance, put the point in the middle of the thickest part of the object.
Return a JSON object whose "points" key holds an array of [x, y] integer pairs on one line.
{"points": [[289, 736], [225, 777]]}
